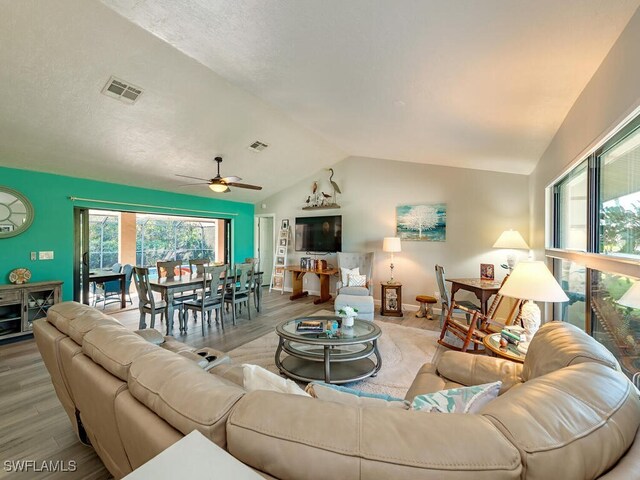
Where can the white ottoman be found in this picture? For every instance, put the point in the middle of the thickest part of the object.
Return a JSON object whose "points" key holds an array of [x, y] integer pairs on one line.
{"points": [[363, 303]]}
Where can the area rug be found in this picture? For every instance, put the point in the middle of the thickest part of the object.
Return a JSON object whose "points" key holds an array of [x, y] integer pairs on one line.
{"points": [[403, 349]]}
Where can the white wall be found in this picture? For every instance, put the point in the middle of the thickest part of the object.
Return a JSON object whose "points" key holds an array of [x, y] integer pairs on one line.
{"points": [[480, 205], [609, 97]]}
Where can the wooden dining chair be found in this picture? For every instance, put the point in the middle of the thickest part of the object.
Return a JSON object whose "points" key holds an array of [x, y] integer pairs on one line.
{"points": [[168, 269], [211, 296], [503, 311], [238, 290], [146, 301], [199, 263], [254, 281]]}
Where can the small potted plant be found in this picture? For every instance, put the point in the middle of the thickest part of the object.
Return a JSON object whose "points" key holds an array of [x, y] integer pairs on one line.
{"points": [[348, 314]]}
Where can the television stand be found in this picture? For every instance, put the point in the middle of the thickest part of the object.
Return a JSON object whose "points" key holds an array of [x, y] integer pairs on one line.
{"points": [[298, 273]]}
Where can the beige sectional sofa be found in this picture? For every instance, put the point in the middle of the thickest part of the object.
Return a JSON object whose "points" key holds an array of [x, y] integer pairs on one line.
{"points": [[567, 413]]}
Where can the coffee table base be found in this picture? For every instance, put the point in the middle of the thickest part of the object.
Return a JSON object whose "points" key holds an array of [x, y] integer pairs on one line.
{"points": [[343, 372]]}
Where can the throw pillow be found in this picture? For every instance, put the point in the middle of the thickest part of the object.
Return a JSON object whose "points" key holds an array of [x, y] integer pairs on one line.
{"points": [[345, 272], [258, 378], [357, 280], [457, 400], [350, 396]]}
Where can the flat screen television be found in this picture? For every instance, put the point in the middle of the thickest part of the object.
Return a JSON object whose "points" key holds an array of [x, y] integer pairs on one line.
{"points": [[319, 234]]}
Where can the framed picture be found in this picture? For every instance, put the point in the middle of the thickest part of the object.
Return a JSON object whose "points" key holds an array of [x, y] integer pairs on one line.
{"points": [[279, 271], [6, 228], [486, 271], [279, 260], [281, 250], [285, 223], [283, 242], [277, 282], [283, 234], [424, 223]]}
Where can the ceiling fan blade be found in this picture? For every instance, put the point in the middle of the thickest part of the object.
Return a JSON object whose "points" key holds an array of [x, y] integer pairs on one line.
{"points": [[231, 179], [244, 185], [194, 178], [192, 184]]}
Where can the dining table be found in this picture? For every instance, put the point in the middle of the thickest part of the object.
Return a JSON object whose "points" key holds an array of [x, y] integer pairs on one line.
{"points": [[103, 276], [481, 288], [169, 287]]}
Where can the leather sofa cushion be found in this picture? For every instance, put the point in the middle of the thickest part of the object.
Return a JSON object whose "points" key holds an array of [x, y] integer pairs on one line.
{"points": [[183, 394], [114, 347], [428, 381], [144, 435], [75, 319], [559, 344], [477, 369], [572, 423], [312, 439], [151, 335]]}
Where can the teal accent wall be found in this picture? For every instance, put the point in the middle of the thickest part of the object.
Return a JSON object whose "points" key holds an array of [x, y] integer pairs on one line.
{"points": [[52, 227]]}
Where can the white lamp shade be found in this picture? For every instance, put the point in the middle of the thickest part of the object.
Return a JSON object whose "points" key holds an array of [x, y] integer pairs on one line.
{"points": [[631, 298], [511, 239], [391, 244], [533, 281]]}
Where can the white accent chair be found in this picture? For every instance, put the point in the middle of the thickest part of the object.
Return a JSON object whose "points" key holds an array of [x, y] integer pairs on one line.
{"points": [[357, 297]]}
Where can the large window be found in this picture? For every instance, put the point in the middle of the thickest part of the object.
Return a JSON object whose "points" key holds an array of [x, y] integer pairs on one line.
{"points": [[596, 245], [144, 239]]}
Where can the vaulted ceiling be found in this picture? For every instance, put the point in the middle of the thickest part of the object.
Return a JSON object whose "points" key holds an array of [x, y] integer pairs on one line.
{"points": [[480, 84]]}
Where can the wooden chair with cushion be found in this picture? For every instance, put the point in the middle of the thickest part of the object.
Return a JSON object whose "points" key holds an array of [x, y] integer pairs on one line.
{"points": [[503, 311], [445, 299]]}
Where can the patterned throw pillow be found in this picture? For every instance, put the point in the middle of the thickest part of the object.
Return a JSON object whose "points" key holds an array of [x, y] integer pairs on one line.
{"points": [[345, 272], [457, 400], [351, 396], [357, 281]]}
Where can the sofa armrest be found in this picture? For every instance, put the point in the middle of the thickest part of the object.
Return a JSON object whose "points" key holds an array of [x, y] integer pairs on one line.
{"points": [[471, 369]]}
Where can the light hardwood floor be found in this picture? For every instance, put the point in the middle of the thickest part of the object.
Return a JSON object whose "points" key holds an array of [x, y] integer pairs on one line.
{"points": [[33, 424]]}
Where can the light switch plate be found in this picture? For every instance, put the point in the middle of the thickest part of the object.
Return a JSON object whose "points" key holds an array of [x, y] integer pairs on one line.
{"points": [[48, 255]]}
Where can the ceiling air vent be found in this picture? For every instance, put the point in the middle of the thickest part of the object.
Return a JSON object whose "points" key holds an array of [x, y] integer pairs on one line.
{"points": [[257, 146], [121, 90]]}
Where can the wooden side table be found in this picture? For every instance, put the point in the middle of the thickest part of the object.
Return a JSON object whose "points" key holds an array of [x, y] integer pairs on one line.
{"points": [[391, 299]]}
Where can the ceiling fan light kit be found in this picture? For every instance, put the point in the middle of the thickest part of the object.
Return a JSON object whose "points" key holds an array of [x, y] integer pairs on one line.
{"points": [[221, 184]]}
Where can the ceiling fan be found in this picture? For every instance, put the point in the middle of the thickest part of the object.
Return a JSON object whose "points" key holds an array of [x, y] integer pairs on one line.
{"points": [[221, 184]]}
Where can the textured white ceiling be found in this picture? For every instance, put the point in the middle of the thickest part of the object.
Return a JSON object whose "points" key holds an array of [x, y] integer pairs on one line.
{"points": [[471, 83], [479, 84], [55, 58]]}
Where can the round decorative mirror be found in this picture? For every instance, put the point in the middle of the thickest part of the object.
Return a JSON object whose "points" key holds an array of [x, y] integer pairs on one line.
{"points": [[16, 213]]}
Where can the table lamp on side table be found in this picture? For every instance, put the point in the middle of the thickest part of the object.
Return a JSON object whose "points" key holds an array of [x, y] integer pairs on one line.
{"points": [[511, 240], [532, 282], [391, 245]]}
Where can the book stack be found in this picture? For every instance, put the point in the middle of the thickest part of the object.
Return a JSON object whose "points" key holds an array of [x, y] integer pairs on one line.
{"points": [[310, 326], [512, 334]]}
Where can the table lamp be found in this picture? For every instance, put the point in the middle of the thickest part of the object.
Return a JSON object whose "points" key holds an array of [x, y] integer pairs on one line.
{"points": [[533, 282], [631, 298], [511, 240], [391, 245]]}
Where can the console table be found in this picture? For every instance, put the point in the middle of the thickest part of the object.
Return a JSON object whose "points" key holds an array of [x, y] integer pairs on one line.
{"points": [[21, 305], [298, 273]]}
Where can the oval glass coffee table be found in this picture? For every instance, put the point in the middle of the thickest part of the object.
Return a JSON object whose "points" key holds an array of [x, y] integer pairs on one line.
{"points": [[339, 357]]}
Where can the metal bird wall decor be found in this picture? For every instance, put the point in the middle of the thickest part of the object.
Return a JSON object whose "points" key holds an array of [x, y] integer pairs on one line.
{"points": [[320, 199]]}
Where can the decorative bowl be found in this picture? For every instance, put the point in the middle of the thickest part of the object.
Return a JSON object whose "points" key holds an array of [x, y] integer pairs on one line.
{"points": [[20, 275]]}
